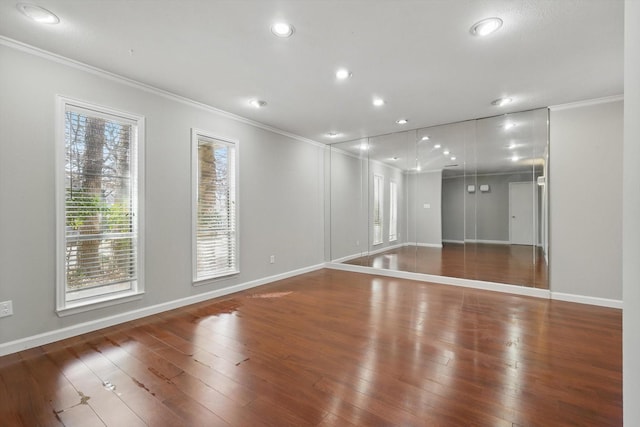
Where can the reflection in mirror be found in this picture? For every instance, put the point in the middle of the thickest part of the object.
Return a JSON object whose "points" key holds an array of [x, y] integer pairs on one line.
{"points": [[465, 200]]}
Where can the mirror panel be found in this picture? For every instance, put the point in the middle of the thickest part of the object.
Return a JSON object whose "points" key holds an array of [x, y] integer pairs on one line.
{"points": [[465, 200]]}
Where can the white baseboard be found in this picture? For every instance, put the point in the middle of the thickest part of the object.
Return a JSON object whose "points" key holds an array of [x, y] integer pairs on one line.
{"points": [[374, 252], [581, 299], [479, 284], [453, 241], [424, 245], [489, 242], [94, 325], [443, 280]]}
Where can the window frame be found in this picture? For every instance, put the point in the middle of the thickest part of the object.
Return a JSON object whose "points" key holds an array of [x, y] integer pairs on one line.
{"points": [[195, 135], [64, 307], [379, 203], [393, 211]]}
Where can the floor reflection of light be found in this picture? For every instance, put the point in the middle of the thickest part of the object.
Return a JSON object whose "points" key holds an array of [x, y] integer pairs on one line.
{"points": [[224, 324], [512, 379]]}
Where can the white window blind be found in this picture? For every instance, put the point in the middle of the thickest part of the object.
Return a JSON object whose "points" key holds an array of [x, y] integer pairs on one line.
{"points": [[378, 182], [393, 211], [100, 205], [215, 216]]}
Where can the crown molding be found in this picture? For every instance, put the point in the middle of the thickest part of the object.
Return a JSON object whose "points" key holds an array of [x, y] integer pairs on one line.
{"points": [[32, 50], [587, 103]]}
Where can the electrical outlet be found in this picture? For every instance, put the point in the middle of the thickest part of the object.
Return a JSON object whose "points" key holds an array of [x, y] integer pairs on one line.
{"points": [[272, 259], [6, 308]]}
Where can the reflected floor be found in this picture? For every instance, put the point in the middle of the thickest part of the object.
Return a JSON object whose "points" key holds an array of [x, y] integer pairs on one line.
{"points": [[512, 264]]}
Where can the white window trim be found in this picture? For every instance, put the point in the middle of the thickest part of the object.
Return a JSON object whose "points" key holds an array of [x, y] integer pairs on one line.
{"points": [[381, 210], [195, 133], [64, 308], [392, 184]]}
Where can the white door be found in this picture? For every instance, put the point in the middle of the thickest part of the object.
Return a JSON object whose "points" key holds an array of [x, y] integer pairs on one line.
{"points": [[522, 213]]}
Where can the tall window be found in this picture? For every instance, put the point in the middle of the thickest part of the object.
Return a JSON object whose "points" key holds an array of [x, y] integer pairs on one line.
{"points": [[378, 200], [99, 237], [215, 237], [393, 211]]}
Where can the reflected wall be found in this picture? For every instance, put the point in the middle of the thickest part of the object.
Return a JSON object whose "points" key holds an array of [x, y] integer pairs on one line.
{"points": [[466, 200]]}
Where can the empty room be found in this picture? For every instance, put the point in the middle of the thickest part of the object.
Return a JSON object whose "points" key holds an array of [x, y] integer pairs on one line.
{"points": [[319, 213]]}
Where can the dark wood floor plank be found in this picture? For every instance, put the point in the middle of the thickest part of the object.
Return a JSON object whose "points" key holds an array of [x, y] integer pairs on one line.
{"points": [[332, 348]]}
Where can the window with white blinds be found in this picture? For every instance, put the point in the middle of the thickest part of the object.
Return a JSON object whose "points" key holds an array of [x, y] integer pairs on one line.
{"points": [[100, 206], [215, 235], [378, 206], [393, 211]]}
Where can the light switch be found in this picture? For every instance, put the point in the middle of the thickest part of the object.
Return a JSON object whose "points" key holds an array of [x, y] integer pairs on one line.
{"points": [[427, 206]]}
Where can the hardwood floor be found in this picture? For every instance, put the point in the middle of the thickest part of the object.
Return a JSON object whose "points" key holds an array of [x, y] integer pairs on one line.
{"points": [[512, 264], [332, 348]]}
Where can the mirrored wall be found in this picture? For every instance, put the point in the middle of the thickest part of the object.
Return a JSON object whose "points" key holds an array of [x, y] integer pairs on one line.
{"points": [[465, 200]]}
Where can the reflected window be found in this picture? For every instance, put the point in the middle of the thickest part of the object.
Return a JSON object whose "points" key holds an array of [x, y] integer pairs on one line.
{"points": [[393, 211], [378, 200]]}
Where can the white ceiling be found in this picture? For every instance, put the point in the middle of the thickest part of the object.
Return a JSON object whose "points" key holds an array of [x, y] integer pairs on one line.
{"points": [[417, 55]]}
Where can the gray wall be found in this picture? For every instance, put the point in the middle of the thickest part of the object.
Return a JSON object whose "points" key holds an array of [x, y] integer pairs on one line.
{"points": [[586, 200], [281, 192], [487, 214], [348, 200], [453, 213], [424, 224], [631, 216]]}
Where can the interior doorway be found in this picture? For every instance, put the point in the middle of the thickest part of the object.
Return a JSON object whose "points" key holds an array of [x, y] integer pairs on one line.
{"points": [[522, 213]]}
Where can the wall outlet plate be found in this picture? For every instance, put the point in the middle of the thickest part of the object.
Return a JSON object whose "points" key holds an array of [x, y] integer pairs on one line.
{"points": [[6, 308]]}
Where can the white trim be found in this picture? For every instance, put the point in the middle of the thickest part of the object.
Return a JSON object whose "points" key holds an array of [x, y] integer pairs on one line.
{"points": [[453, 281], [106, 300], [514, 289], [94, 325], [424, 245], [374, 252], [581, 299], [586, 103], [32, 50], [453, 241], [195, 134], [488, 242], [387, 248], [62, 307], [349, 257]]}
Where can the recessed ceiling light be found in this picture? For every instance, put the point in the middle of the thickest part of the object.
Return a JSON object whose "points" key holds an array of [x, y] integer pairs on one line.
{"points": [[453, 157], [333, 134], [445, 152], [343, 74], [364, 146], [500, 102], [37, 13], [282, 29], [402, 121], [486, 26], [418, 168], [378, 102], [257, 103], [515, 158], [394, 158], [509, 125], [437, 146], [512, 146], [424, 138]]}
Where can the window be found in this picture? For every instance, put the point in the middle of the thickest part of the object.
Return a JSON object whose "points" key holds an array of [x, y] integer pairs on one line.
{"points": [[393, 211], [215, 235], [378, 199], [99, 206]]}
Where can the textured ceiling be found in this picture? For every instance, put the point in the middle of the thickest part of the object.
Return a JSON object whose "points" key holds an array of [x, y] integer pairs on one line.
{"points": [[417, 55]]}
